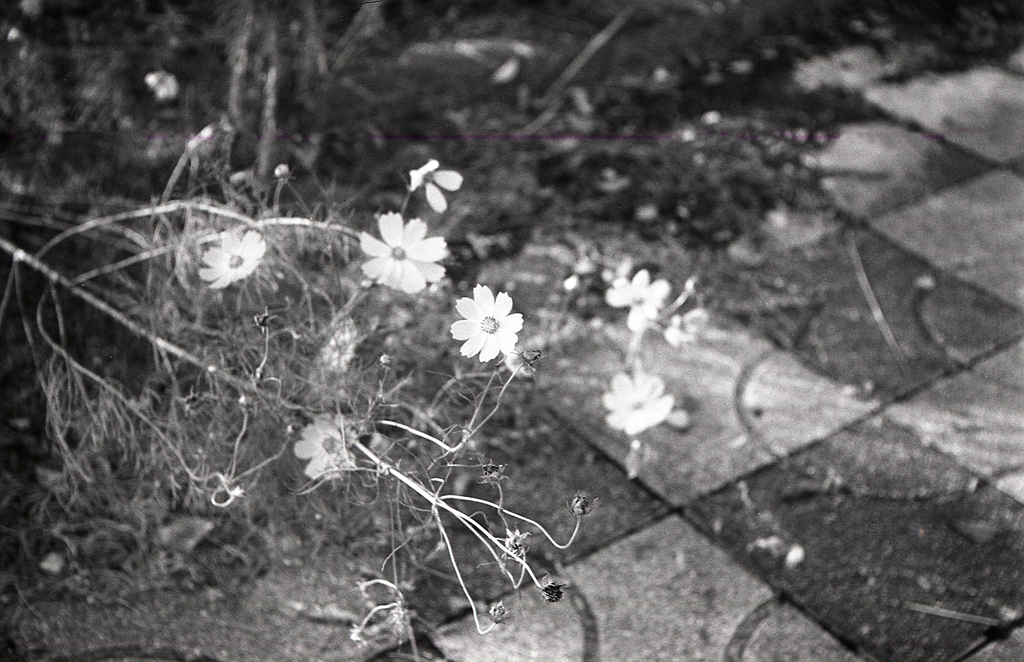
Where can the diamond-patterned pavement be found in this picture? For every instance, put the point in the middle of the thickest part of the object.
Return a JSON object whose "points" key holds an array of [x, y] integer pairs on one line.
{"points": [[974, 230], [867, 312], [851, 482], [903, 554], [976, 417], [749, 404], [981, 109], [897, 534], [874, 167]]}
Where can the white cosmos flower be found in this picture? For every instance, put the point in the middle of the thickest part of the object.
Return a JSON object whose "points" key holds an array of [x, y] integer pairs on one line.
{"points": [[636, 403], [431, 179], [235, 258], [405, 260], [488, 328], [163, 85], [644, 298], [687, 327], [323, 444]]}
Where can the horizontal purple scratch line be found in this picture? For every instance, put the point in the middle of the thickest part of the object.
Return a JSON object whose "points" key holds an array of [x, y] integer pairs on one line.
{"points": [[685, 136]]}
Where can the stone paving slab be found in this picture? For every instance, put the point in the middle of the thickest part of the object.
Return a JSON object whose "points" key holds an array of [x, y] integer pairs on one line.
{"points": [[666, 594], [778, 632], [1009, 650], [974, 230], [976, 417], [874, 167], [536, 630], [981, 109], [291, 614], [816, 301], [888, 544], [663, 594], [749, 404]]}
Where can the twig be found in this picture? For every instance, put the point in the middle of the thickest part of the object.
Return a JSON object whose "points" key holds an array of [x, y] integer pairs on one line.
{"points": [[53, 276], [239, 62], [876, 310], [954, 615], [367, 20], [596, 43], [143, 213], [268, 118]]}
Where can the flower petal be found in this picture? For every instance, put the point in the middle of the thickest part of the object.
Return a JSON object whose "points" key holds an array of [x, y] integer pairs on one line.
{"points": [[464, 329], [216, 278], [416, 176], [491, 347], [432, 249], [620, 294], [411, 280], [414, 231], [231, 242], [511, 324], [658, 291], [392, 276], [617, 420], [485, 298], [502, 306], [391, 226], [435, 198], [378, 267], [431, 272], [641, 279], [473, 345], [449, 180], [318, 466], [253, 247], [216, 257], [506, 341], [307, 448], [373, 246], [637, 320], [470, 309]]}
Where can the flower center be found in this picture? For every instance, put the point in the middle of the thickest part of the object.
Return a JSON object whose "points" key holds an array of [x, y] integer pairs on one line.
{"points": [[330, 444], [637, 406], [489, 325], [235, 261], [398, 253]]}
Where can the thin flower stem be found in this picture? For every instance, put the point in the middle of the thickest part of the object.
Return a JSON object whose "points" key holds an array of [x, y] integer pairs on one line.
{"points": [[238, 440], [452, 382], [121, 264], [435, 500], [383, 582], [458, 574], [634, 346], [421, 435], [684, 296], [522, 518], [405, 203], [298, 221], [143, 213], [376, 610], [497, 403], [480, 403]]}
